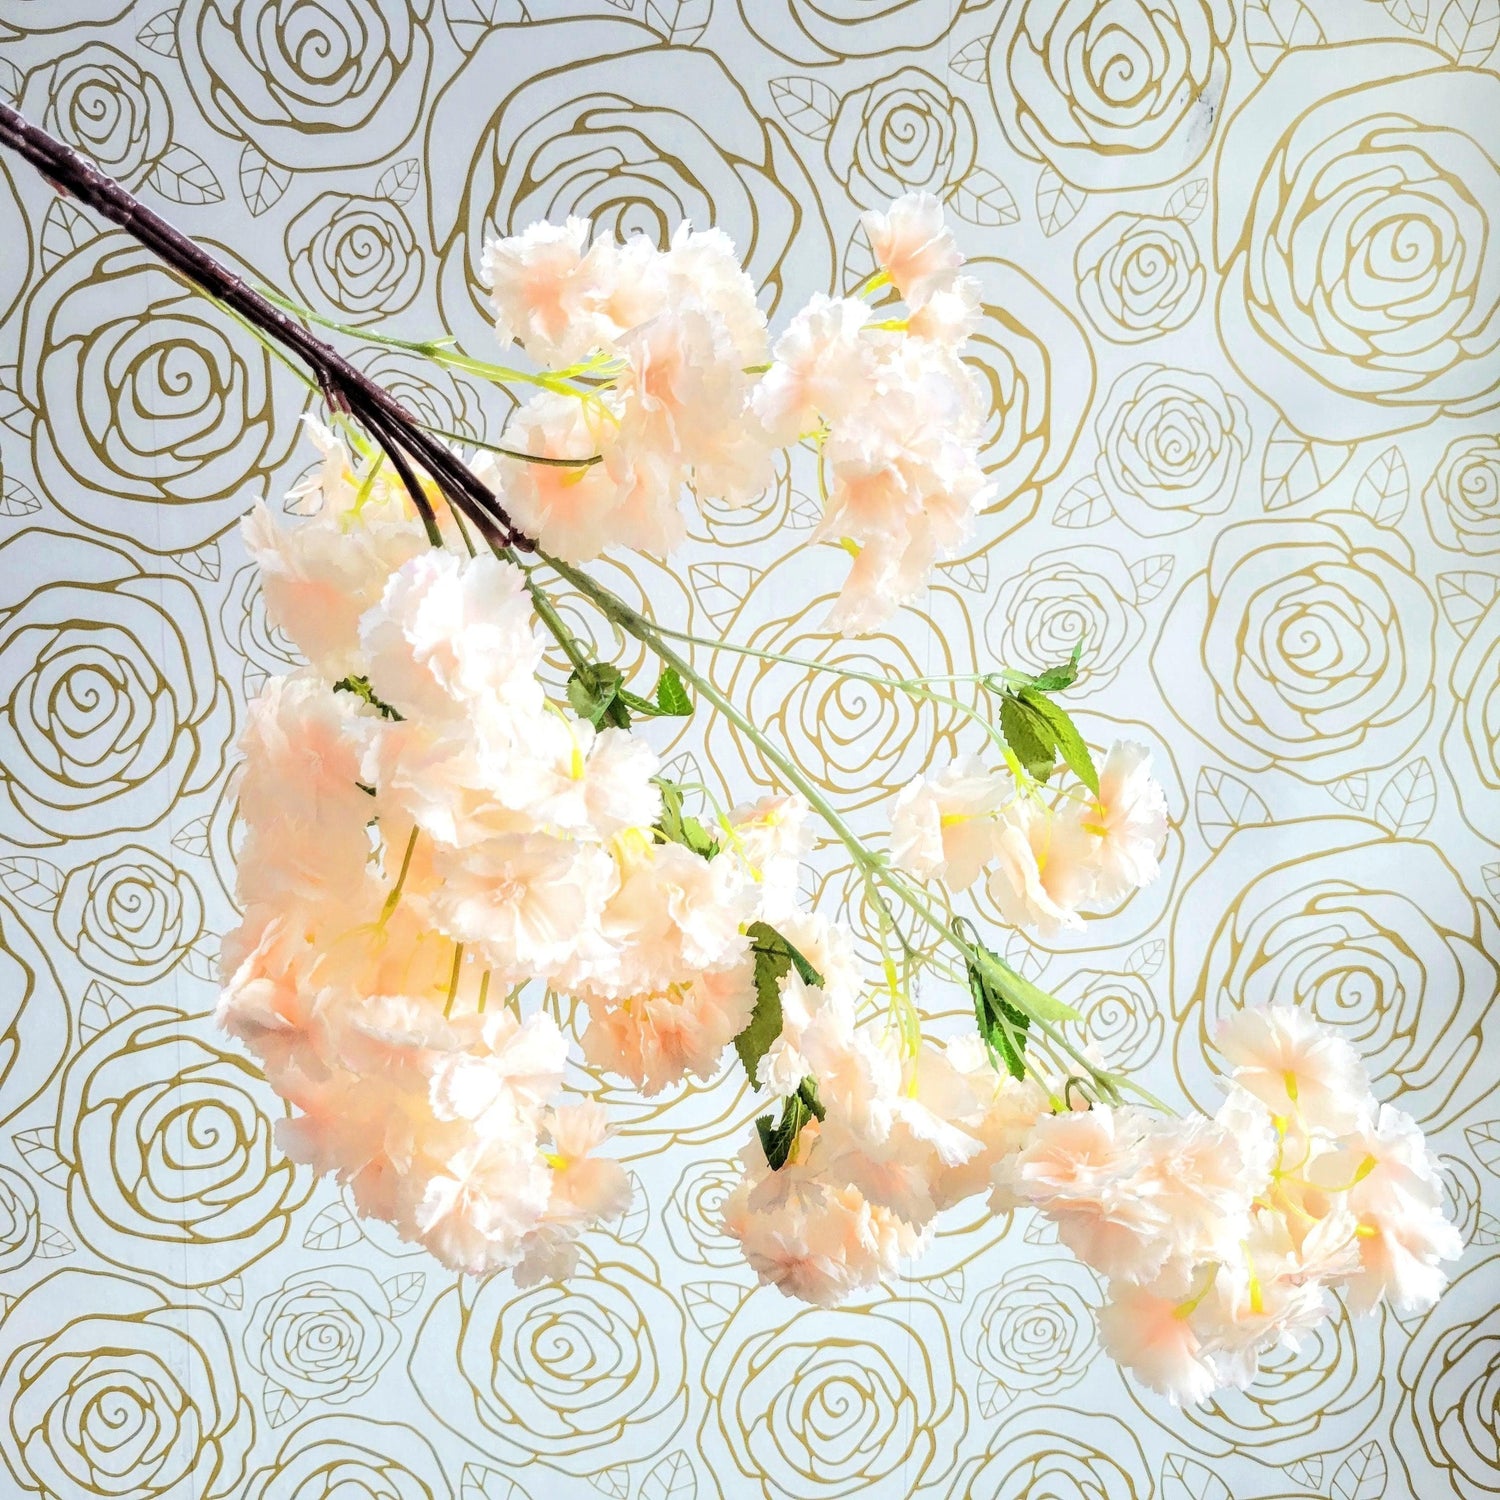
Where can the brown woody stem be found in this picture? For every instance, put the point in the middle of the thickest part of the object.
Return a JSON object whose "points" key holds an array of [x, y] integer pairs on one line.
{"points": [[344, 387]]}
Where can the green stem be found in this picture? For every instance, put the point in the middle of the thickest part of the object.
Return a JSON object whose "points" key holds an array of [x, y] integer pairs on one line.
{"points": [[878, 876], [430, 349], [529, 458]]}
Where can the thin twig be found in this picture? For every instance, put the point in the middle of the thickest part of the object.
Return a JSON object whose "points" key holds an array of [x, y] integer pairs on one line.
{"points": [[342, 384]]}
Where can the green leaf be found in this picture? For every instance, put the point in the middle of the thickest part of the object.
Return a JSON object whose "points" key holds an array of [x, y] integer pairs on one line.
{"points": [[670, 699], [360, 687], [1002, 1025], [1027, 734], [1003, 981], [679, 827], [671, 696], [1055, 679], [778, 1139], [775, 958], [594, 693], [1065, 737]]}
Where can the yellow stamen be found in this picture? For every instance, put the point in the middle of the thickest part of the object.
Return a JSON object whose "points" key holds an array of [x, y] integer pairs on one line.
{"points": [[1186, 1309]]}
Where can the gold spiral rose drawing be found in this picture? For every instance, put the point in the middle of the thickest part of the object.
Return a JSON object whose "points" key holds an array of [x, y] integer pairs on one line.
{"points": [[581, 1374], [129, 915], [1447, 1377], [1374, 951], [1358, 292], [1037, 368], [354, 255], [901, 133], [829, 1403], [20, 1220], [167, 1141], [590, 121], [1139, 276], [1171, 447], [152, 417], [111, 706], [1032, 1333], [1462, 499], [108, 1388], [344, 81], [105, 104], [1117, 96], [324, 1336], [820, 31], [1314, 641], [346, 1454], [1048, 1451], [1060, 600]]}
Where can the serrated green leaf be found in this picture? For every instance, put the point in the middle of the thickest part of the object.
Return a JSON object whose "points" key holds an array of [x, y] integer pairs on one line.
{"points": [[1000, 1023], [679, 827], [1028, 736], [778, 1140], [1065, 736], [671, 696], [775, 958], [594, 694], [1055, 679]]}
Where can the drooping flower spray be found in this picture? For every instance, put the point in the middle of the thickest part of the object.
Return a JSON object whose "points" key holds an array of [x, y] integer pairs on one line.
{"points": [[435, 839]]}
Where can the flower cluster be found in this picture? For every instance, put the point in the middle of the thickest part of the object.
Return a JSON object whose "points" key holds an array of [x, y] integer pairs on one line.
{"points": [[895, 1138], [1047, 860], [1221, 1237], [655, 363], [431, 835], [895, 413], [426, 831]]}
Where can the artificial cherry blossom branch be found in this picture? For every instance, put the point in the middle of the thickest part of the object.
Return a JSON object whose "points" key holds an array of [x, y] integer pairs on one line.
{"points": [[348, 390]]}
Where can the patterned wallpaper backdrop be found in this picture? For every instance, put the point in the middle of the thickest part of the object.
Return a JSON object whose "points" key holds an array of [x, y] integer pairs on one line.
{"points": [[1242, 331]]}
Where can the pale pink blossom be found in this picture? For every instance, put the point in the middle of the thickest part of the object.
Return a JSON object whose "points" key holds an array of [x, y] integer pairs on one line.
{"points": [[672, 912], [451, 635], [317, 579], [1085, 1171], [301, 803], [703, 269], [948, 318], [658, 1038], [618, 789], [943, 826], [1043, 869], [1129, 820], [1395, 1193], [769, 837], [525, 901], [914, 247], [1295, 1066], [474, 1208], [816, 1242], [1150, 1337], [586, 1191], [548, 290], [823, 369], [572, 510]]}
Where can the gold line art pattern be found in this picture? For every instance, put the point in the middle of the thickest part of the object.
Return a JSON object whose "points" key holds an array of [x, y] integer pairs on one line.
{"points": [[1240, 269]]}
